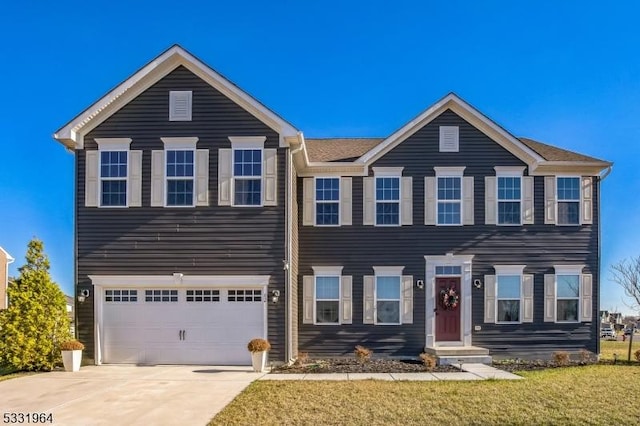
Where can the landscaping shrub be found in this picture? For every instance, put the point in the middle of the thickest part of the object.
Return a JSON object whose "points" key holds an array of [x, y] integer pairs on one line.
{"points": [[585, 356], [636, 354], [363, 355], [561, 358], [302, 358], [429, 361]]}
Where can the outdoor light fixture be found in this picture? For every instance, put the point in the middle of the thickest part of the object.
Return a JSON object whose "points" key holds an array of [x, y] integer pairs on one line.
{"points": [[275, 296], [83, 295], [477, 283], [420, 284]]}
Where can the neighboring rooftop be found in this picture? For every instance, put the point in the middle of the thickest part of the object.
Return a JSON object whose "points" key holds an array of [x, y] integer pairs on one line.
{"points": [[339, 149]]}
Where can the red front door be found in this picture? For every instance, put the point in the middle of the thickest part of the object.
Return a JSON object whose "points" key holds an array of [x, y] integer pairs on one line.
{"points": [[447, 318]]}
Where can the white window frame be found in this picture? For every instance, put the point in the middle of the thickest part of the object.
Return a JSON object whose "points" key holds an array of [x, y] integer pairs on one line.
{"points": [[568, 270], [579, 200], [332, 272], [510, 270], [173, 94], [508, 172], [316, 201], [179, 144], [449, 172], [386, 272], [387, 172], [113, 145], [243, 143]]}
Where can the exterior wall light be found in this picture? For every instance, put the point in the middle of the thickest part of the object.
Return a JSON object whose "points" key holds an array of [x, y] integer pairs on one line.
{"points": [[275, 296]]}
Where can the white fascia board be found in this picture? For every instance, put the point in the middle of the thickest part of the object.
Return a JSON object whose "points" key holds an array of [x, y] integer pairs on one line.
{"points": [[327, 270], [179, 280], [388, 270], [568, 269], [466, 111], [72, 134], [7, 255], [449, 171], [113, 144], [509, 269], [179, 143]]}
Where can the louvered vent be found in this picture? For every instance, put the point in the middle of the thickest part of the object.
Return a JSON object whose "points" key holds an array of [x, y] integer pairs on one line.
{"points": [[180, 105], [449, 138]]}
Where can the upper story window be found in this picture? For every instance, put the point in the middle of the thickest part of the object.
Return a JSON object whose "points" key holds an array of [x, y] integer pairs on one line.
{"points": [[449, 197], [180, 105], [180, 177], [247, 177], [449, 139], [509, 200], [387, 200], [449, 200], [113, 178], [568, 200], [509, 197], [327, 201]]}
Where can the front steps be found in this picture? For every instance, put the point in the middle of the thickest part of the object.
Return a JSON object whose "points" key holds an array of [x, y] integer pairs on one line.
{"points": [[448, 355]]}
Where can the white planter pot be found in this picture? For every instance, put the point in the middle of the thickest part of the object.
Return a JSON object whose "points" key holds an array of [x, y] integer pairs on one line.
{"points": [[71, 360], [259, 361]]}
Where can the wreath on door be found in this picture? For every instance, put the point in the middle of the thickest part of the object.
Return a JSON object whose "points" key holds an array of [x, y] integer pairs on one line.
{"points": [[449, 298]]}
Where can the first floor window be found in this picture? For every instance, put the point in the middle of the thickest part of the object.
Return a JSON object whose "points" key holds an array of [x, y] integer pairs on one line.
{"points": [[567, 297], [568, 200], [327, 201], [113, 178], [387, 300], [180, 177], [509, 199], [449, 200], [327, 300], [247, 177], [387, 201], [508, 298]]}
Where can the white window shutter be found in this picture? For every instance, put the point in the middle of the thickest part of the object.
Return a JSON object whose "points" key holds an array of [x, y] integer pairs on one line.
{"points": [[346, 299], [490, 200], [91, 180], [430, 208], [202, 177], [550, 200], [490, 299], [587, 200], [270, 173], [308, 291], [135, 179], [180, 105], [549, 298], [527, 200], [369, 201], [369, 308], [467, 200], [449, 138], [586, 294], [308, 202], [346, 201], [406, 192], [224, 176], [157, 178], [527, 298], [407, 299]]}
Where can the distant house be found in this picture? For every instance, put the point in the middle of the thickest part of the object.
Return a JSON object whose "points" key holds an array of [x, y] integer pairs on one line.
{"points": [[5, 260]]}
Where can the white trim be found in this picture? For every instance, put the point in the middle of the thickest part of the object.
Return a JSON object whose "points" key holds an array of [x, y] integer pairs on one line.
{"points": [[509, 269], [568, 269], [508, 174], [388, 271], [181, 281], [72, 133], [327, 270], [113, 144], [579, 200], [511, 272], [182, 143], [466, 290], [249, 147], [339, 299], [375, 196], [449, 171], [387, 171], [509, 171], [247, 142], [179, 145], [315, 202], [576, 271], [376, 299]]}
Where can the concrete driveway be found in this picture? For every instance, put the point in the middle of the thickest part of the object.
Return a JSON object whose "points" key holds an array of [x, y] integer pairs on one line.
{"points": [[126, 394]]}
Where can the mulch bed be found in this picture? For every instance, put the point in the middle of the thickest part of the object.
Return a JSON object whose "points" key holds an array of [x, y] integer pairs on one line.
{"points": [[346, 365]]}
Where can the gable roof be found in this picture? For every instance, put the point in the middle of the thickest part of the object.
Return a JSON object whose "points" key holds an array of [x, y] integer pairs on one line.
{"points": [[72, 133], [339, 149], [553, 153]]}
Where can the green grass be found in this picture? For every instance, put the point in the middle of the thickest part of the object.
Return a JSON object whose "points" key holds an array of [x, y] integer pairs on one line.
{"points": [[576, 395], [609, 347], [8, 373]]}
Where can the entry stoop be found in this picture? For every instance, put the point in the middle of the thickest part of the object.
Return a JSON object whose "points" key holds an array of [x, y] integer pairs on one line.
{"points": [[448, 355]]}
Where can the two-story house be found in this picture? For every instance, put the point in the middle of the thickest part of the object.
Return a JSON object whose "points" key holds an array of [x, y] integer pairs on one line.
{"points": [[203, 219]]}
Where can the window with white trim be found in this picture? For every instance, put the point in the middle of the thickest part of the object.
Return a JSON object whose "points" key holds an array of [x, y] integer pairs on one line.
{"points": [[161, 295], [246, 295], [448, 270], [180, 177], [567, 297], [387, 200], [205, 295], [509, 200], [120, 295], [387, 299], [568, 196], [327, 201], [508, 296], [113, 178], [327, 300], [449, 200], [247, 177]]}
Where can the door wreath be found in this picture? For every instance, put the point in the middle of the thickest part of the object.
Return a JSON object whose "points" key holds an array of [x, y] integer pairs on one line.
{"points": [[449, 298]]}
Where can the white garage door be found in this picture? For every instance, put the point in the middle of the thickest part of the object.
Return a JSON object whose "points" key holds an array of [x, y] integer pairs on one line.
{"points": [[180, 326]]}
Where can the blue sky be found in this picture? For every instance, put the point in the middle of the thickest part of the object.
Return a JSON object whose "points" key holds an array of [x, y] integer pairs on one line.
{"points": [[567, 73]]}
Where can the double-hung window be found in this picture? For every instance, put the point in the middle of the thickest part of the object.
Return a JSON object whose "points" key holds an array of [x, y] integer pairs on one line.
{"points": [[508, 295], [449, 200], [113, 178], [567, 298], [180, 177], [387, 200], [247, 177], [387, 296], [509, 200], [327, 201], [327, 300], [568, 200]]}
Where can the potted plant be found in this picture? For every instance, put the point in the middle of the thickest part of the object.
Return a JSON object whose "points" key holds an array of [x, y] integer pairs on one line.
{"points": [[259, 348], [71, 355]]}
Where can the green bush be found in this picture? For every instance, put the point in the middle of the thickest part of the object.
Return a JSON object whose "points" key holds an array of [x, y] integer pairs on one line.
{"points": [[36, 322]]}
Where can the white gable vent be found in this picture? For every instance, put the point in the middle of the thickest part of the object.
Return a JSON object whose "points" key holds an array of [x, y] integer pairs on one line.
{"points": [[180, 105], [449, 138]]}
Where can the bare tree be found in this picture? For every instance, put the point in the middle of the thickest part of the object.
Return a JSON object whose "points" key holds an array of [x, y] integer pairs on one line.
{"points": [[627, 275]]}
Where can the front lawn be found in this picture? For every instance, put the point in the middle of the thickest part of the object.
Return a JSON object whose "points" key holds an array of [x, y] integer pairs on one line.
{"points": [[575, 395], [609, 347]]}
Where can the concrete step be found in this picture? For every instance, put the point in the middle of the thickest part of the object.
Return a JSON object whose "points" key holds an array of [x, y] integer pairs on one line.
{"points": [[464, 359], [457, 351]]}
